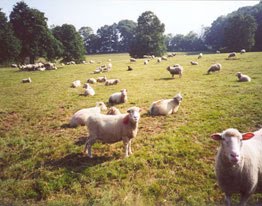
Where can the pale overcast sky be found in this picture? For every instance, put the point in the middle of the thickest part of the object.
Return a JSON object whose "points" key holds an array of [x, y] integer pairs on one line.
{"points": [[179, 17]]}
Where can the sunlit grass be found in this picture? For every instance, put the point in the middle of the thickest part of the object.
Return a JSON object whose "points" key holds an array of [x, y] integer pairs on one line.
{"points": [[41, 161]]}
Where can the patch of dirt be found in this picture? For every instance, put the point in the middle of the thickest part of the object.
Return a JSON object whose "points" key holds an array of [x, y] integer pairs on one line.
{"points": [[8, 120]]}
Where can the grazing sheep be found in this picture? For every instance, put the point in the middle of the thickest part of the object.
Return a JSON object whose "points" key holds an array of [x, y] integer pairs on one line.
{"points": [[165, 106], [81, 116], [242, 51], [200, 56], [238, 163], [101, 79], [27, 80], [214, 68], [118, 97], [132, 60], [194, 63], [91, 81], [176, 69], [112, 82], [243, 77], [113, 111], [76, 83], [89, 91], [113, 128], [233, 54], [129, 68]]}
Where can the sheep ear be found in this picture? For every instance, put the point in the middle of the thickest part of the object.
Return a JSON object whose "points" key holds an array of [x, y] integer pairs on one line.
{"points": [[247, 136], [216, 136]]}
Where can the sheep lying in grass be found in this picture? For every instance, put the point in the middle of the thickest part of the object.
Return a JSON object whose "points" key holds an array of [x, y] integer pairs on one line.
{"points": [[101, 79], [118, 97], [164, 58], [76, 83], [89, 91], [194, 63], [113, 111], [81, 116], [214, 68], [232, 54], [242, 51], [113, 128], [91, 80], [239, 163], [132, 60], [112, 82], [243, 77], [129, 68], [159, 60], [146, 61], [176, 69], [27, 80], [165, 106]]}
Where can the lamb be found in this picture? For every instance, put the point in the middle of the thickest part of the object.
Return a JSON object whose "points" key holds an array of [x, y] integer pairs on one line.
{"points": [[232, 54], [91, 81], [112, 82], [118, 97], [113, 128], [76, 83], [214, 68], [101, 79], [194, 63], [89, 91], [176, 69], [243, 77], [28, 80], [238, 163], [165, 106], [113, 111], [81, 116], [242, 51], [132, 60], [200, 56]]}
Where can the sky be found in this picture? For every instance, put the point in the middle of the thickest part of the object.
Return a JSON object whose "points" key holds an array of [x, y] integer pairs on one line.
{"points": [[179, 17]]}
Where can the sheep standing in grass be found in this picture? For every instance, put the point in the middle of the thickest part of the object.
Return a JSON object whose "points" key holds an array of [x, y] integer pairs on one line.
{"points": [[243, 77], [214, 68], [165, 106], [89, 91], [112, 82], [113, 111], [27, 80], [232, 54], [113, 128], [239, 163], [118, 97], [175, 70]]}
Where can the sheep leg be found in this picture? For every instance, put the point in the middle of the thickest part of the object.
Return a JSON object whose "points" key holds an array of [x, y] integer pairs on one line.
{"points": [[88, 146], [228, 199], [244, 198], [129, 147], [126, 146]]}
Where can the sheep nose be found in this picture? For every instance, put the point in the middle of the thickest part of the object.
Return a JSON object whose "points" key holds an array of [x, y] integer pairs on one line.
{"points": [[234, 155]]}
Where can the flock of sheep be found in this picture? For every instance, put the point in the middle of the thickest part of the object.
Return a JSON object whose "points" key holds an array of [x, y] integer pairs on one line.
{"points": [[238, 161]]}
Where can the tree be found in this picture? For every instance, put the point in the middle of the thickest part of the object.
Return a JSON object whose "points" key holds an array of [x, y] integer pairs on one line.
{"points": [[240, 32], [10, 46], [31, 28], [72, 42], [87, 35], [149, 36], [127, 30]]}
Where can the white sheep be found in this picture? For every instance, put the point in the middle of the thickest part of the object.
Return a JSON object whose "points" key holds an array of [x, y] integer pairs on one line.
{"points": [[200, 55], [238, 163], [194, 63], [176, 69], [218, 52], [112, 82], [91, 62], [132, 60], [81, 116], [91, 80], [14, 65], [159, 60], [243, 77], [164, 58], [165, 106], [146, 61], [113, 128], [242, 51], [113, 111], [214, 68], [118, 97], [101, 79], [89, 91], [232, 54], [76, 83], [27, 80]]}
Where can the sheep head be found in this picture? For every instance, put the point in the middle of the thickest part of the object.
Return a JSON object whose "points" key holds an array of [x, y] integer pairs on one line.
{"points": [[178, 98], [101, 105], [133, 115]]}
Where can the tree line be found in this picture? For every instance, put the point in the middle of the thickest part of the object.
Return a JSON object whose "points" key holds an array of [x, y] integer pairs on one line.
{"points": [[27, 36]]}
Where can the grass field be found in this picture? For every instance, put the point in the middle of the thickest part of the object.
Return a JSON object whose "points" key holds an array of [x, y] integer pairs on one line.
{"points": [[41, 160]]}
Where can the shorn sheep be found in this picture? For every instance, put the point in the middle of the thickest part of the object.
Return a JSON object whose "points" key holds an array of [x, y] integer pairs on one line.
{"points": [[175, 70], [243, 77], [118, 97], [113, 111], [113, 128], [81, 116], [165, 106], [238, 163], [214, 68]]}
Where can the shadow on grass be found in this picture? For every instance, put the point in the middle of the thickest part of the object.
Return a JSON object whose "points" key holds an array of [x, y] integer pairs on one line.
{"points": [[166, 78], [232, 58], [77, 161], [65, 126], [80, 141]]}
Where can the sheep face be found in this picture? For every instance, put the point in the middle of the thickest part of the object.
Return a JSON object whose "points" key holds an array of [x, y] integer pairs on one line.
{"points": [[231, 143], [134, 114], [178, 97], [101, 105], [124, 92], [239, 74]]}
